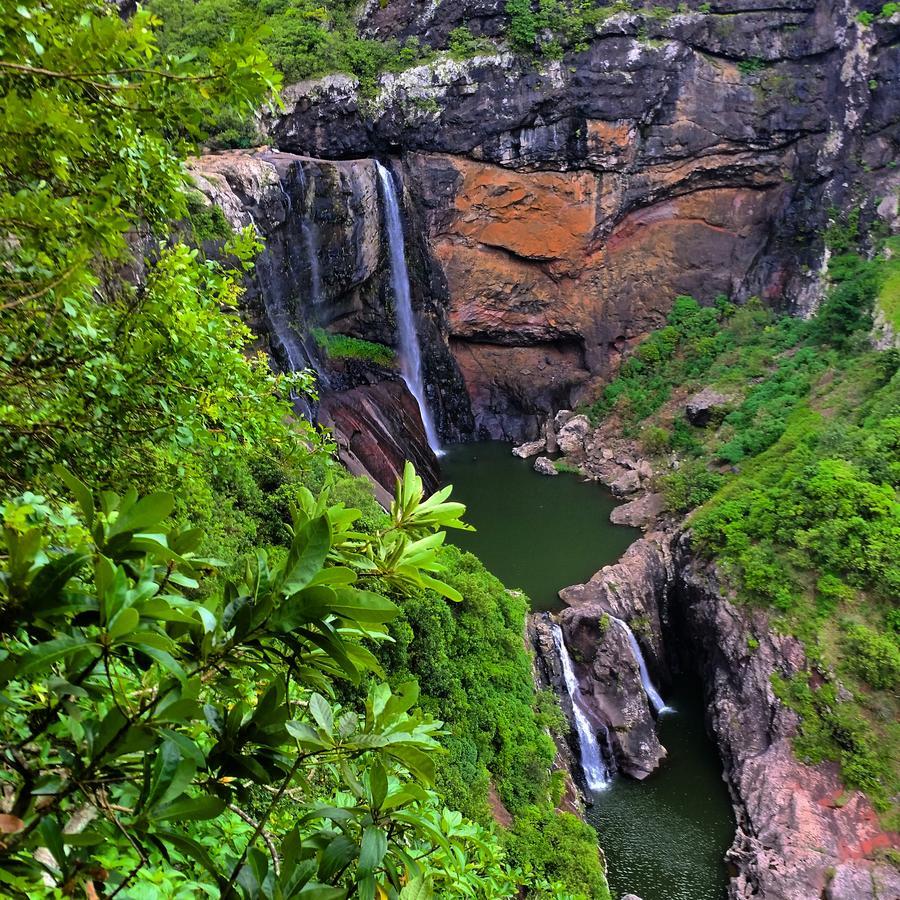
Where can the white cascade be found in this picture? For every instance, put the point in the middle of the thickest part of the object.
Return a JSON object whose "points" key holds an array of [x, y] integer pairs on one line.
{"points": [[407, 338], [595, 772], [311, 244], [656, 701]]}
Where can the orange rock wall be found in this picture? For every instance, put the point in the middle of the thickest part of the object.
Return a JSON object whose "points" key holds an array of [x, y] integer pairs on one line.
{"points": [[551, 274]]}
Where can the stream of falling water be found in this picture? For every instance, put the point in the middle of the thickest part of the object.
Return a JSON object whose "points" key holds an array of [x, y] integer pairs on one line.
{"points": [[595, 771], [653, 695], [407, 337]]}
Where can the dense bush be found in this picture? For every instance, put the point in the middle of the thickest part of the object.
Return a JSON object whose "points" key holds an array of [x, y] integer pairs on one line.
{"points": [[343, 346]]}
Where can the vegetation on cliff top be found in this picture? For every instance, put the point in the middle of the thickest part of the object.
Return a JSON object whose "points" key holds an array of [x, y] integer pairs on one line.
{"points": [[220, 664], [796, 480]]}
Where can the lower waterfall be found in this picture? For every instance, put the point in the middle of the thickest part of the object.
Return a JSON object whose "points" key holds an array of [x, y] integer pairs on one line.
{"points": [[653, 695], [596, 773]]}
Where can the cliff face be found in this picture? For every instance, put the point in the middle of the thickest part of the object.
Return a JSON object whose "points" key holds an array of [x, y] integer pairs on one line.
{"points": [[565, 204], [795, 839], [325, 266]]}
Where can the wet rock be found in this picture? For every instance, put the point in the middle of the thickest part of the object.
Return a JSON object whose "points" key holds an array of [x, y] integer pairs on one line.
{"points": [[544, 466], [630, 590], [640, 513], [529, 448], [706, 407], [570, 438], [377, 428], [550, 437], [611, 688], [630, 897]]}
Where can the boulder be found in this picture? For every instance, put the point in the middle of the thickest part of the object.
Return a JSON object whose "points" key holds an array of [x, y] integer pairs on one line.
{"points": [[706, 407], [544, 466], [626, 483], [639, 513], [570, 437], [529, 448]]}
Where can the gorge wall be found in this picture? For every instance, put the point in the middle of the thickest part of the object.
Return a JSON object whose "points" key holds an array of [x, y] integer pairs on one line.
{"points": [[560, 206], [800, 835]]}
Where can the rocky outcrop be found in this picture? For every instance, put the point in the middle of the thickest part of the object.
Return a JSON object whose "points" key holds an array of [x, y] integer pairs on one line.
{"points": [[324, 266], [640, 513], [544, 466], [800, 834], [706, 407], [377, 428], [566, 203], [548, 675], [795, 839]]}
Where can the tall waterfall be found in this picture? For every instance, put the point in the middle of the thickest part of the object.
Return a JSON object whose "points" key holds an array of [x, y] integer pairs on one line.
{"points": [[656, 701], [311, 245], [595, 771], [407, 338]]}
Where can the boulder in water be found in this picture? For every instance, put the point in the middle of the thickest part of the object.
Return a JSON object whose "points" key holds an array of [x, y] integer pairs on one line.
{"points": [[544, 466], [529, 448]]}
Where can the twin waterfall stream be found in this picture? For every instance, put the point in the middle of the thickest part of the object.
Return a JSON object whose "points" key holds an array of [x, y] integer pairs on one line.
{"points": [[593, 760]]}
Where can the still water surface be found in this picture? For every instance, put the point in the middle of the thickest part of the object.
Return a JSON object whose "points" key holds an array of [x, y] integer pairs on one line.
{"points": [[664, 837]]}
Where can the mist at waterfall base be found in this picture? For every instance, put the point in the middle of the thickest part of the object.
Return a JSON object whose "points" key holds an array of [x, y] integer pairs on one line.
{"points": [[407, 334], [664, 837]]}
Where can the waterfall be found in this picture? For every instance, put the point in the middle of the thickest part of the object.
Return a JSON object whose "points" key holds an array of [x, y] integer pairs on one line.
{"points": [[311, 244], [407, 338], [595, 771], [656, 701]]}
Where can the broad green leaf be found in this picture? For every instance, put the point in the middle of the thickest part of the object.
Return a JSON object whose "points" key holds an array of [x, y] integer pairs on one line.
{"points": [[372, 850], [189, 809]]}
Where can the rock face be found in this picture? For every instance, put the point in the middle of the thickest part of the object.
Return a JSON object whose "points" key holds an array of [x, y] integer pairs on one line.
{"points": [[325, 266], [794, 840], [547, 671], [544, 466], [564, 204]]}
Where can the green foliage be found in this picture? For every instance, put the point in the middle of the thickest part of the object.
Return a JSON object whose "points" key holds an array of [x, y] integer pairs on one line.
{"points": [[806, 520], [889, 10], [463, 44], [173, 725], [689, 486], [685, 347], [128, 697], [561, 846], [342, 346], [207, 221], [751, 66], [551, 27], [842, 232], [834, 730], [865, 18], [873, 657], [303, 38]]}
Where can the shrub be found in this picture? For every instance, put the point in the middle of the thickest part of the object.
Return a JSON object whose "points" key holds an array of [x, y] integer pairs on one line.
{"points": [[874, 657], [342, 346], [689, 486]]}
